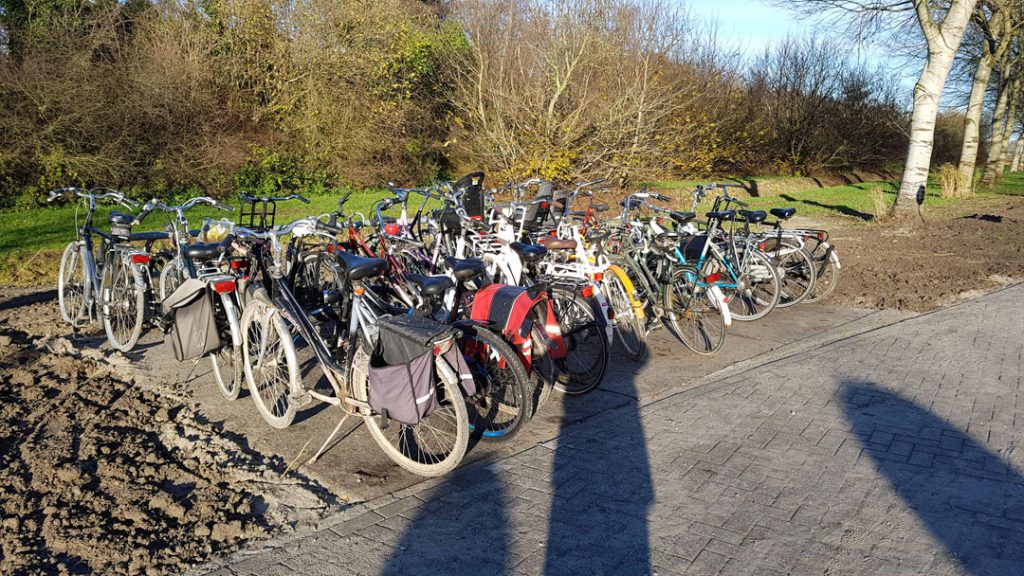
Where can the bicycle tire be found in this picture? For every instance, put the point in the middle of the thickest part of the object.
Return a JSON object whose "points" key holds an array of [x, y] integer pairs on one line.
{"points": [[227, 361], [758, 291], [796, 274], [583, 336], [690, 314], [629, 327], [503, 387], [71, 286], [170, 278], [124, 302], [266, 348], [404, 444], [826, 274]]}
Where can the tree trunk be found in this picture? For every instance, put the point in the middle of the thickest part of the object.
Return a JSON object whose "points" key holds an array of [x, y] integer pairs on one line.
{"points": [[927, 93], [995, 150], [943, 43], [1018, 153], [972, 123]]}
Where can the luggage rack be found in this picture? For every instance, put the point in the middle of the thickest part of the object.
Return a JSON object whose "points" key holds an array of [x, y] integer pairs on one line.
{"points": [[258, 213]]}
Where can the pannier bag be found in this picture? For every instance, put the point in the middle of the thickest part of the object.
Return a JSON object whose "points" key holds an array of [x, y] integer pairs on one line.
{"points": [[401, 374], [194, 329], [508, 307]]}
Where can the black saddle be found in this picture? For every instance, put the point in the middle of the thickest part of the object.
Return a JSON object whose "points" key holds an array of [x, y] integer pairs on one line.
{"points": [[754, 216], [121, 218], [722, 215], [597, 236], [357, 267], [207, 251], [682, 217], [431, 285], [783, 213], [528, 252], [466, 269]]}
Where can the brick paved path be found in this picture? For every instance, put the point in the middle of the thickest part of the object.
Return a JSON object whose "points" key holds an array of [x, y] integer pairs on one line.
{"points": [[891, 452]]}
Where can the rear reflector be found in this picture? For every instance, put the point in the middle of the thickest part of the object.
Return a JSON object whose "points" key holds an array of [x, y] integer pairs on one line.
{"points": [[820, 235], [599, 276], [544, 205], [713, 277], [391, 229], [239, 264], [587, 291], [140, 258], [224, 286]]}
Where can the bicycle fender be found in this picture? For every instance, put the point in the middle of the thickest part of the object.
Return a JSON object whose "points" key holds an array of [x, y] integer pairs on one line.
{"points": [[638, 307]]}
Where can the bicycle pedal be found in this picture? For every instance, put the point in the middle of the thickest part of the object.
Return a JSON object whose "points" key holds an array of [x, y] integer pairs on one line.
{"points": [[301, 400]]}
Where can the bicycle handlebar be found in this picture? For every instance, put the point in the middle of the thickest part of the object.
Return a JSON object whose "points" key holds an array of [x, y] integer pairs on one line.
{"points": [[245, 196], [89, 194]]}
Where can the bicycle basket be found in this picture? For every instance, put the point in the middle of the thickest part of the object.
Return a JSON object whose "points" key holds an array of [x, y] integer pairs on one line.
{"points": [[257, 215]]}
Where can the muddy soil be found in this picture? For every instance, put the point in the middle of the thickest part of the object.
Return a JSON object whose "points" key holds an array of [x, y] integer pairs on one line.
{"points": [[101, 473], [917, 266]]}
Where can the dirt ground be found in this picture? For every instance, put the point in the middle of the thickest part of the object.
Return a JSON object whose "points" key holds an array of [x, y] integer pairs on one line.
{"points": [[918, 266], [100, 473], [104, 470]]}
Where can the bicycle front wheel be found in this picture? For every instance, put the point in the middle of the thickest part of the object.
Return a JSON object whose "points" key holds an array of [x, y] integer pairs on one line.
{"points": [[71, 286], [432, 447], [270, 362], [691, 315], [628, 325], [795, 268], [503, 399], [124, 302]]}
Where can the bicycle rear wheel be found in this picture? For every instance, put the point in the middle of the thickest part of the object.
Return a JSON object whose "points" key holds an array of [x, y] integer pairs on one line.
{"points": [[124, 302], [270, 362], [691, 315], [227, 361], [586, 360], [434, 446], [757, 289], [71, 286], [503, 399], [826, 273], [795, 268]]}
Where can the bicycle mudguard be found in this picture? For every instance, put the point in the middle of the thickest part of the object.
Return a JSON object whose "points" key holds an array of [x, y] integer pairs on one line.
{"points": [[638, 307]]}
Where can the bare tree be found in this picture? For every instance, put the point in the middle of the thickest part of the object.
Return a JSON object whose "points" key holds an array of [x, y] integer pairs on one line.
{"points": [[943, 23]]}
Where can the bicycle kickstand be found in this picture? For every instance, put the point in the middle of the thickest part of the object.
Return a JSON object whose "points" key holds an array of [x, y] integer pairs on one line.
{"points": [[329, 438]]}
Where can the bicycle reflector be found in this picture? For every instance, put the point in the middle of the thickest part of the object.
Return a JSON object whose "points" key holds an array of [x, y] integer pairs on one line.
{"points": [[713, 277], [544, 205], [140, 258], [391, 229], [587, 291], [239, 264], [598, 276], [820, 235], [224, 286]]}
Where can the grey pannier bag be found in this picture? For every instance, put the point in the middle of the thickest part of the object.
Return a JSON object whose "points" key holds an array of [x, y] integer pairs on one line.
{"points": [[194, 330], [401, 378]]}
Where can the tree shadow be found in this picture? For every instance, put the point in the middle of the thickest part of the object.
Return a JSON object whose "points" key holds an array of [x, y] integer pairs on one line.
{"points": [[835, 207], [27, 299], [970, 500], [600, 487]]}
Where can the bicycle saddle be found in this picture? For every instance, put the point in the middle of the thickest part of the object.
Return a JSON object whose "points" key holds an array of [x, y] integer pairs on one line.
{"points": [[722, 215], [357, 267], [528, 252], [431, 285], [754, 216], [121, 218], [552, 243], [466, 269], [783, 213], [682, 217], [205, 251]]}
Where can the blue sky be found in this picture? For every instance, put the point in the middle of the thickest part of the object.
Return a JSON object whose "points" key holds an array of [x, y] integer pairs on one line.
{"points": [[749, 25]]}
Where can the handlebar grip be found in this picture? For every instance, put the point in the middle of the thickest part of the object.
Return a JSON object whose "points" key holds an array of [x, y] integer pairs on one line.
{"points": [[223, 207], [328, 227], [303, 198]]}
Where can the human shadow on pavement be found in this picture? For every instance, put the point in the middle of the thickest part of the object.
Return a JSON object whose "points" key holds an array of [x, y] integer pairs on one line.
{"points": [[968, 497], [600, 489]]}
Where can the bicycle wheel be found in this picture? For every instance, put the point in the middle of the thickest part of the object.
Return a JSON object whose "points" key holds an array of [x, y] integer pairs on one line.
{"points": [[795, 268], [227, 361], [629, 327], [586, 359], [124, 302], [171, 277], [503, 399], [691, 315], [826, 273], [434, 446], [71, 286], [756, 291], [269, 360], [543, 371]]}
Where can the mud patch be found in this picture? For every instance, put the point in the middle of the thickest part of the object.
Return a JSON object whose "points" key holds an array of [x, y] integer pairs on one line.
{"points": [[102, 474]]}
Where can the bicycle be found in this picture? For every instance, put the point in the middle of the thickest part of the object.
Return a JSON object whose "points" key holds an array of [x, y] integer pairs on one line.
{"points": [[114, 286]]}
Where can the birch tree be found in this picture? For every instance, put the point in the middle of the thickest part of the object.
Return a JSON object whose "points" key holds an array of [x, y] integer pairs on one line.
{"points": [[942, 23]]}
